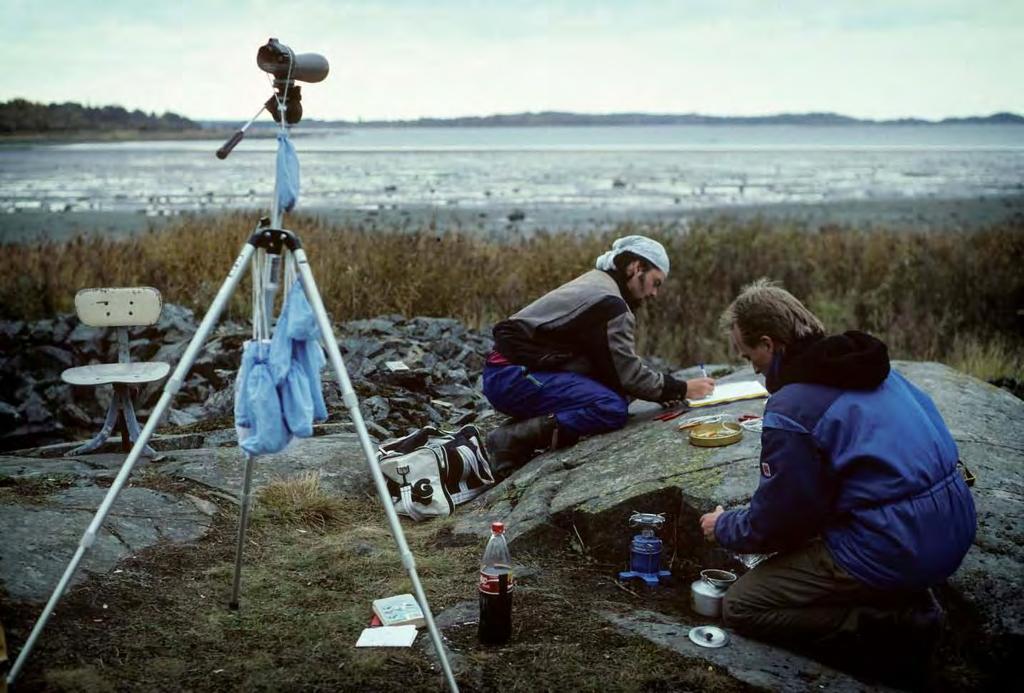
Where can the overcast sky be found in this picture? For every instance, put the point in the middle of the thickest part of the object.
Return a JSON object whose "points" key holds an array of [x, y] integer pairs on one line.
{"points": [[396, 59]]}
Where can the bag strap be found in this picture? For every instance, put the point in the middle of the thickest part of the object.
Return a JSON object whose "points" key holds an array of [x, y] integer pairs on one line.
{"points": [[427, 436]]}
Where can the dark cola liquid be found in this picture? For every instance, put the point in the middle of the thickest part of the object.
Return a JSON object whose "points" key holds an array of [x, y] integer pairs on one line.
{"points": [[496, 586]]}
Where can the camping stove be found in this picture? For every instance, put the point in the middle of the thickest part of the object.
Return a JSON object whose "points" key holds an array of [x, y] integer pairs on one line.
{"points": [[645, 549]]}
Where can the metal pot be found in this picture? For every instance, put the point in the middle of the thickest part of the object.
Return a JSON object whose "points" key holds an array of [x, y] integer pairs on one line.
{"points": [[706, 593]]}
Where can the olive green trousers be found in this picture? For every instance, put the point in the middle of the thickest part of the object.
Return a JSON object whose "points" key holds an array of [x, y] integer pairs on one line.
{"points": [[804, 596]]}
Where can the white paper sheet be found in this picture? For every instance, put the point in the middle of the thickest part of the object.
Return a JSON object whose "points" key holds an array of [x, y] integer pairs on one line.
{"points": [[387, 636], [731, 392]]}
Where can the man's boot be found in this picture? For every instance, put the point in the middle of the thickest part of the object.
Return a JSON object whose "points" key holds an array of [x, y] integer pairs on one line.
{"points": [[514, 444], [900, 644]]}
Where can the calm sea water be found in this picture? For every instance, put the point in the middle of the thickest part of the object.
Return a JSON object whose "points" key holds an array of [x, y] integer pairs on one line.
{"points": [[615, 171]]}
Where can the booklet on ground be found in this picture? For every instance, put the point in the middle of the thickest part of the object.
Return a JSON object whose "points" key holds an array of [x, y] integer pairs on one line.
{"points": [[400, 609], [387, 636]]}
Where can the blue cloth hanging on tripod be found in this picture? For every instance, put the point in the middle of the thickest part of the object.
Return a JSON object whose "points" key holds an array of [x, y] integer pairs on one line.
{"points": [[257, 405], [278, 392], [287, 184], [296, 359]]}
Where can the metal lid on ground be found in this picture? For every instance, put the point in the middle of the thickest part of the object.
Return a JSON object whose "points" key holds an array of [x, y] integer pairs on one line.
{"points": [[709, 636]]}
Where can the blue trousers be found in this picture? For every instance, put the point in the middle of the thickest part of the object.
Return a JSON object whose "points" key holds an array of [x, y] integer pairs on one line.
{"points": [[581, 405]]}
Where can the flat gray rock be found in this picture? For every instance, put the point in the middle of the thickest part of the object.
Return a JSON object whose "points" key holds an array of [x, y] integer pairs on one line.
{"points": [[40, 540], [593, 487], [988, 425], [750, 661], [30, 467], [338, 458]]}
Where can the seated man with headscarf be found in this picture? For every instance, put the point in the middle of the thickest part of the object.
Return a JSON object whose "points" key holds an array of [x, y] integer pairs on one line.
{"points": [[563, 366]]}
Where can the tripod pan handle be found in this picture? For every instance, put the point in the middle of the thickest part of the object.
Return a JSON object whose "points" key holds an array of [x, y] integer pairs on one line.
{"points": [[223, 152]]}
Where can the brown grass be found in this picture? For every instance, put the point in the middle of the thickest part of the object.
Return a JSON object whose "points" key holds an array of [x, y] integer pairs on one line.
{"points": [[160, 622], [299, 501], [930, 295]]}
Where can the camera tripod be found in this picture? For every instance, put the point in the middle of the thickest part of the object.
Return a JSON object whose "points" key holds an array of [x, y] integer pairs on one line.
{"points": [[274, 240]]}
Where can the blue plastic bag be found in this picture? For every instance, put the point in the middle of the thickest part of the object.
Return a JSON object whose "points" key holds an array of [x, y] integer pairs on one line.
{"points": [[296, 359], [287, 184], [278, 393], [243, 409], [257, 403], [297, 403], [309, 356]]}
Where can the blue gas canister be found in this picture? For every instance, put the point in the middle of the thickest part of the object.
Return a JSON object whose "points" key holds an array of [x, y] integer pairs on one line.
{"points": [[645, 549]]}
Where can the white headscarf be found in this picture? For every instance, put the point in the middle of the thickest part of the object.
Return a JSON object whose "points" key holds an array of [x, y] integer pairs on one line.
{"points": [[647, 248]]}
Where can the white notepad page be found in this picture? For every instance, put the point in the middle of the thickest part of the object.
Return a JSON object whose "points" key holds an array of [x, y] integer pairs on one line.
{"points": [[387, 636], [730, 392]]}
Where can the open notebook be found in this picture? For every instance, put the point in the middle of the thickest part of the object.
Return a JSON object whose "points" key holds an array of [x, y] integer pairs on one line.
{"points": [[731, 392]]}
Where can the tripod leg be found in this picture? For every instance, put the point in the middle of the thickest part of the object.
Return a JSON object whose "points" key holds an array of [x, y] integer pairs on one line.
{"points": [[170, 389], [243, 523], [348, 395]]}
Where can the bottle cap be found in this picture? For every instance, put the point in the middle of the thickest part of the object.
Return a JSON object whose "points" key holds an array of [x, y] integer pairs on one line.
{"points": [[498, 527]]}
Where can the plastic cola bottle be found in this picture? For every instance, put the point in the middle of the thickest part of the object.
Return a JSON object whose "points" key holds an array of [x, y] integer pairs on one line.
{"points": [[496, 587]]}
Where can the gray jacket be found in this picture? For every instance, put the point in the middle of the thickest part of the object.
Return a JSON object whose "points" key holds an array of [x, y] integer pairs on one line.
{"points": [[585, 326]]}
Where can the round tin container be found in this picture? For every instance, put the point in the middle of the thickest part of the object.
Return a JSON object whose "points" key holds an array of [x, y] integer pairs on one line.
{"points": [[713, 435]]}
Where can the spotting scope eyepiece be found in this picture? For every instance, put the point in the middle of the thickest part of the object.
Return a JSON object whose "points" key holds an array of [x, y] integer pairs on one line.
{"points": [[282, 62]]}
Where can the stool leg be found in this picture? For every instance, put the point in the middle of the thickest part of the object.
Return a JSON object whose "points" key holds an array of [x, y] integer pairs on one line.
{"points": [[120, 391], [101, 437], [132, 423]]}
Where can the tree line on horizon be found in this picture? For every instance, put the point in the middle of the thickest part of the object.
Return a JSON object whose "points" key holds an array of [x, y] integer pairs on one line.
{"points": [[20, 116], [548, 118]]}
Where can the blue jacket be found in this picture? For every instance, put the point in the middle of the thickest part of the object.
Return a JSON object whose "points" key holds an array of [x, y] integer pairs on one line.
{"points": [[858, 455]]}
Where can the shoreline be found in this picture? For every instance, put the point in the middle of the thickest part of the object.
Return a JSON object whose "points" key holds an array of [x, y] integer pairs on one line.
{"points": [[509, 222], [21, 139]]}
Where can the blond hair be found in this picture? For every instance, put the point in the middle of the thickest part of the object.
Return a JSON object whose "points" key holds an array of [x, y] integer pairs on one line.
{"points": [[765, 308]]}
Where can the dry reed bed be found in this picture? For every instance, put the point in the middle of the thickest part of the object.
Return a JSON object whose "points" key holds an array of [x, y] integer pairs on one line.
{"points": [[955, 297]]}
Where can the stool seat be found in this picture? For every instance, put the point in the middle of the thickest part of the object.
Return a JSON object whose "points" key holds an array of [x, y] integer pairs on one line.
{"points": [[112, 373]]}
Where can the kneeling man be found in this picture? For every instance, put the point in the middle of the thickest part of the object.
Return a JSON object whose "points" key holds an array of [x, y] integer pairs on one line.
{"points": [[860, 495], [563, 366]]}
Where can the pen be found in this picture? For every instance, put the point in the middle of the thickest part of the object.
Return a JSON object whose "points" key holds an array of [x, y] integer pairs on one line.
{"points": [[703, 372]]}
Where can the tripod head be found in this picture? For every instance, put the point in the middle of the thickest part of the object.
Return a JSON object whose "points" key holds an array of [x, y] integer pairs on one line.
{"points": [[287, 67]]}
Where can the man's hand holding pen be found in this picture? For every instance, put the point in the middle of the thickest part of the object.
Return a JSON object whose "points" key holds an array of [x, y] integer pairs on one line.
{"points": [[701, 387]]}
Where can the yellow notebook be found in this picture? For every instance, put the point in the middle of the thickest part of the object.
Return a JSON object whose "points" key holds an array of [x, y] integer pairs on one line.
{"points": [[731, 392]]}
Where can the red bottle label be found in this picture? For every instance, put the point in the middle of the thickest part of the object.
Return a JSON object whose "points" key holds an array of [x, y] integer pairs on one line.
{"points": [[490, 579]]}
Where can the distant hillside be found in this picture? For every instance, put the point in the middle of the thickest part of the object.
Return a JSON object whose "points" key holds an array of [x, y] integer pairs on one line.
{"points": [[21, 117], [549, 118]]}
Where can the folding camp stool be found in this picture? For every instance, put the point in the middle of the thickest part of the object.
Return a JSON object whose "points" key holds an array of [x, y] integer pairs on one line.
{"points": [[120, 308]]}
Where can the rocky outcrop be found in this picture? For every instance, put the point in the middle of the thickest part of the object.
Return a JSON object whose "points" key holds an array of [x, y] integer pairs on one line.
{"points": [[580, 496], [586, 493], [440, 384], [590, 490]]}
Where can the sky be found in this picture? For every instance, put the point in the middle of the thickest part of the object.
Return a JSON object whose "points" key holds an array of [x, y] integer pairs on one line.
{"points": [[403, 59]]}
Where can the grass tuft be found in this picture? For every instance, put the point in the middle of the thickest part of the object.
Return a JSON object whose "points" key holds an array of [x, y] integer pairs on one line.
{"points": [[987, 359], [299, 501]]}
